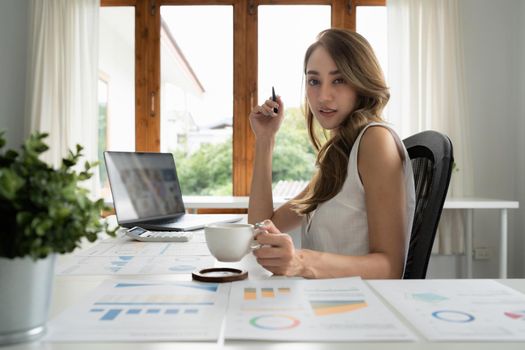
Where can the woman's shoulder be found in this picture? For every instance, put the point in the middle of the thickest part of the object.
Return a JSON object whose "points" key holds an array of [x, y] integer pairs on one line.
{"points": [[378, 134], [378, 143]]}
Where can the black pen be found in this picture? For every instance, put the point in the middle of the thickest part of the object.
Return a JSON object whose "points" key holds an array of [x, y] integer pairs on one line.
{"points": [[274, 99]]}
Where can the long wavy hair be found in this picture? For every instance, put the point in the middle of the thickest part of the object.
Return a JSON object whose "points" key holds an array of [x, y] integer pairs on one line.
{"points": [[357, 63]]}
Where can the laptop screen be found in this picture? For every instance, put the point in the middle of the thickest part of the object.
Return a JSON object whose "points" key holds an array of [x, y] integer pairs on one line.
{"points": [[144, 185]]}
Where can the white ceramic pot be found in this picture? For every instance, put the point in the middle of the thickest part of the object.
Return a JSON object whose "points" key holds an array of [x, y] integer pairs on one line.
{"points": [[25, 295]]}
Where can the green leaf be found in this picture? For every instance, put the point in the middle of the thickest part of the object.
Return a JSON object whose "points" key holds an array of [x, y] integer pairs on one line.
{"points": [[10, 183], [68, 162], [11, 155], [2, 139], [35, 144]]}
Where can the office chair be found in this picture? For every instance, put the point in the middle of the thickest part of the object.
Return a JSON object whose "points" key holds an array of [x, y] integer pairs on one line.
{"points": [[431, 156]]}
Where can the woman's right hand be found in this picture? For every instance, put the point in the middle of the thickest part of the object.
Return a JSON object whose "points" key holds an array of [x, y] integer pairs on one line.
{"points": [[264, 121]]}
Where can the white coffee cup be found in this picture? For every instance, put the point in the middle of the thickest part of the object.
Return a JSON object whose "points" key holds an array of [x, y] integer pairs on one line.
{"points": [[229, 242]]}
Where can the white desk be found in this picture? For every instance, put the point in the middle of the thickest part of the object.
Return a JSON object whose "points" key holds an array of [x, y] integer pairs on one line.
{"points": [[69, 290], [467, 204]]}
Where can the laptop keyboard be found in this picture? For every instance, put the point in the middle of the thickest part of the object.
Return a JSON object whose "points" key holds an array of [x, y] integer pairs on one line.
{"points": [[175, 236], [143, 235]]}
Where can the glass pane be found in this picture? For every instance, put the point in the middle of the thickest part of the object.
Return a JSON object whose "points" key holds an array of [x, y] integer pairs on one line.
{"points": [[116, 95], [285, 32], [371, 23], [102, 128], [197, 95]]}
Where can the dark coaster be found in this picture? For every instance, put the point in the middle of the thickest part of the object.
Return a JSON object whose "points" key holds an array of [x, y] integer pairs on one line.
{"points": [[219, 274]]}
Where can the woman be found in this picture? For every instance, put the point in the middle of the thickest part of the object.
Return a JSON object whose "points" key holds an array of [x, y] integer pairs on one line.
{"points": [[356, 213]]}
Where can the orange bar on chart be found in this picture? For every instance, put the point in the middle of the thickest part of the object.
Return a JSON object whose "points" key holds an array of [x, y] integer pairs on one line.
{"points": [[322, 308], [250, 294], [284, 290], [268, 293]]}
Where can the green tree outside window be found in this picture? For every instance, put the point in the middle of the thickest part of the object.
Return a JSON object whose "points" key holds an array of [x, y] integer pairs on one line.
{"points": [[208, 171]]}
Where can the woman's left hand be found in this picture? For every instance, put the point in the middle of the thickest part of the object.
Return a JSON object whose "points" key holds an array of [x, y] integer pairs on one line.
{"points": [[277, 253]]}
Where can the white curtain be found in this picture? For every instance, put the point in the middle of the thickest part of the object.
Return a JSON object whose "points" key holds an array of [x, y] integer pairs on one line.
{"points": [[426, 77], [63, 77]]}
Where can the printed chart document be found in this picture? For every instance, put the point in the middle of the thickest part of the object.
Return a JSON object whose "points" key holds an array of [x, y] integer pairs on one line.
{"points": [[310, 310], [134, 265], [122, 255], [456, 310], [145, 311]]}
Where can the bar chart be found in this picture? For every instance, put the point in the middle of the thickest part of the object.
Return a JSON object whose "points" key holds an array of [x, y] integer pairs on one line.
{"points": [[251, 293], [139, 310]]}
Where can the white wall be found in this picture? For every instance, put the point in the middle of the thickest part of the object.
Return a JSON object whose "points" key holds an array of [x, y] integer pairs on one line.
{"points": [[493, 35], [13, 54], [492, 39], [518, 267]]}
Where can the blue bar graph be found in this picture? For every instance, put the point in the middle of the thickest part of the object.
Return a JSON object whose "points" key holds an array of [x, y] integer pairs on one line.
{"points": [[111, 315], [126, 258]]}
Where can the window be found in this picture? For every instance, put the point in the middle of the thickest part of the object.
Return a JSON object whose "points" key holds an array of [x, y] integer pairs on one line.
{"points": [[103, 132], [285, 32], [174, 97], [116, 88], [197, 96], [371, 23]]}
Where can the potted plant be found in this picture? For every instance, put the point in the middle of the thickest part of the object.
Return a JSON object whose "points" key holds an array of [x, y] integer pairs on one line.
{"points": [[44, 211]]}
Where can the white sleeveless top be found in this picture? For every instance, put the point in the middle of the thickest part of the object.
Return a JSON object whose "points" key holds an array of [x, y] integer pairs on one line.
{"points": [[340, 225]]}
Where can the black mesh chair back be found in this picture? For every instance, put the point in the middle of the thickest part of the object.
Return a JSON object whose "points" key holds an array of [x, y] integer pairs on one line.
{"points": [[431, 156]]}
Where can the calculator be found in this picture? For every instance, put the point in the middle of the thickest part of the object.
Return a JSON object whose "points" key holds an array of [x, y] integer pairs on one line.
{"points": [[140, 234]]}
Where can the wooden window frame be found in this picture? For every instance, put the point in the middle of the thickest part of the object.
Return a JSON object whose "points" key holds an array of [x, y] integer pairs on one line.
{"points": [[147, 70]]}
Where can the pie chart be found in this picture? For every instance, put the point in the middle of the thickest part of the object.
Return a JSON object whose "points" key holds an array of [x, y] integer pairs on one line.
{"points": [[453, 316], [516, 315], [274, 322]]}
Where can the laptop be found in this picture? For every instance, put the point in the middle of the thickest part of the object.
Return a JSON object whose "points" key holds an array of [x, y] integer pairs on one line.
{"points": [[146, 193]]}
